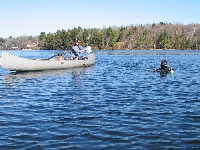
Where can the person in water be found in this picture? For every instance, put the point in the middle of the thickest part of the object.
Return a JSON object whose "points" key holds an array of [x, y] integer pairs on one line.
{"points": [[164, 69], [77, 49]]}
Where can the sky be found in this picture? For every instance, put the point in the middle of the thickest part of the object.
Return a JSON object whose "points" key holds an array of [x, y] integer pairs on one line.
{"points": [[31, 17]]}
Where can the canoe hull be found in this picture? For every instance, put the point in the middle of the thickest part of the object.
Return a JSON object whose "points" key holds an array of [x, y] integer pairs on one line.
{"points": [[15, 63]]}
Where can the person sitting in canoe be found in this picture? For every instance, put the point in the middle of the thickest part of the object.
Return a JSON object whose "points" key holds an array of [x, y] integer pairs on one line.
{"points": [[59, 57], [77, 49], [164, 69]]}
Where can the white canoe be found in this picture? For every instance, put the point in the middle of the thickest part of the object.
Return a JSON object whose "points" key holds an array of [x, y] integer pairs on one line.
{"points": [[15, 63]]}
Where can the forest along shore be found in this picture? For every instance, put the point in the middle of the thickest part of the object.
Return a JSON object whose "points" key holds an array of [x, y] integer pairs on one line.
{"points": [[139, 37]]}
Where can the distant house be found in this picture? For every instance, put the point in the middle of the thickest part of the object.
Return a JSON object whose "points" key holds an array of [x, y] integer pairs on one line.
{"points": [[120, 45], [15, 47], [32, 46]]}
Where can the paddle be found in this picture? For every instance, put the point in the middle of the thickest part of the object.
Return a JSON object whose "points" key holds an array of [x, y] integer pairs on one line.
{"points": [[57, 54], [88, 49]]}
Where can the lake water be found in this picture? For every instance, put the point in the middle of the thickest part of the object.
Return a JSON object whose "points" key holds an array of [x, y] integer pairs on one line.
{"points": [[119, 103]]}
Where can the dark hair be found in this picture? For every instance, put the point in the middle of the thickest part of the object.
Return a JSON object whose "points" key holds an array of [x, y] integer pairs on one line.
{"points": [[76, 40], [163, 63]]}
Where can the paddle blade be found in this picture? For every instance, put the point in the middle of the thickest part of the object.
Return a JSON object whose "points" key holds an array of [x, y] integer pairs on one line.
{"points": [[88, 49]]}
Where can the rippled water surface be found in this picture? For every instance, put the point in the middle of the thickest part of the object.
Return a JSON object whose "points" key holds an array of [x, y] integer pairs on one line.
{"points": [[119, 103]]}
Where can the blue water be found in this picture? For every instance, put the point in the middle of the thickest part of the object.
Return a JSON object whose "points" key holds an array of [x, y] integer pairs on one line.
{"points": [[119, 103]]}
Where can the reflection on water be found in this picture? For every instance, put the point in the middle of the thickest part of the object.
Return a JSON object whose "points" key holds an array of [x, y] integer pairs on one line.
{"points": [[22, 76]]}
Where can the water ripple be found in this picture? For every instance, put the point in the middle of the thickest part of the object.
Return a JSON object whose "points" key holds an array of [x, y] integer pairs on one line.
{"points": [[119, 103]]}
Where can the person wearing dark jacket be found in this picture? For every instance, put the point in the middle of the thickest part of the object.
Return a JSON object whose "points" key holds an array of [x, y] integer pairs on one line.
{"points": [[164, 69]]}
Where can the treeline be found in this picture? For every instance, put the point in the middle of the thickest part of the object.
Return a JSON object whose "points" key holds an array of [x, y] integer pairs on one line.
{"points": [[149, 36]]}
